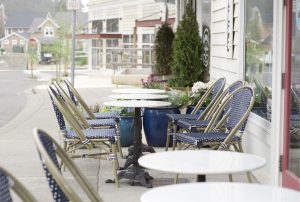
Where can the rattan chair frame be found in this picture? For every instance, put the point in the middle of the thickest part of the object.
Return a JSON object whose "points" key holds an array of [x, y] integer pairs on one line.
{"points": [[172, 127], [71, 166], [18, 187], [83, 142], [81, 119], [80, 100]]}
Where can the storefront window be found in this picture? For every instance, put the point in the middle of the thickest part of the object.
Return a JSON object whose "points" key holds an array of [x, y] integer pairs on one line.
{"points": [[259, 53], [97, 26], [112, 25]]}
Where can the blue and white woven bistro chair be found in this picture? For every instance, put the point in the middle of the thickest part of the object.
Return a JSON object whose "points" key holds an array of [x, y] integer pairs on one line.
{"points": [[212, 93], [9, 182], [223, 133], [200, 125], [79, 137], [220, 133], [50, 153], [86, 124], [78, 100]]}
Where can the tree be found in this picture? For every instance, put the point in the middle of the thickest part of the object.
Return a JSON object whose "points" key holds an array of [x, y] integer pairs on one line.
{"points": [[163, 49], [32, 58], [187, 65]]}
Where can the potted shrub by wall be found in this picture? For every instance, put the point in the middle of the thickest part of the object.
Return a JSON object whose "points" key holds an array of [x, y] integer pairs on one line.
{"points": [[187, 65], [155, 120], [163, 50]]}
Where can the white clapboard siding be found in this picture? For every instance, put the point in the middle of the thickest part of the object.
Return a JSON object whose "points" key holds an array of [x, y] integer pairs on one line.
{"points": [[257, 138]]}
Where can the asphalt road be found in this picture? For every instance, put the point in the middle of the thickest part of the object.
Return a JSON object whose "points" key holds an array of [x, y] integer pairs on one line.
{"points": [[12, 98]]}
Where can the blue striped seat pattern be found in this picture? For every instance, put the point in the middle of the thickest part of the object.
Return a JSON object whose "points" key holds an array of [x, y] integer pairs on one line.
{"points": [[57, 193], [192, 125], [198, 139], [94, 134], [4, 188], [176, 117], [101, 122], [59, 116]]}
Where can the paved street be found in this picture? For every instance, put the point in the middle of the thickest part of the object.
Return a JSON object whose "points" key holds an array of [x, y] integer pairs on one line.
{"points": [[13, 84]]}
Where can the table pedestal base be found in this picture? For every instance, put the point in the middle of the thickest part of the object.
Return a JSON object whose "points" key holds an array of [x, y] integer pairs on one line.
{"points": [[145, 148], [136, 174]]}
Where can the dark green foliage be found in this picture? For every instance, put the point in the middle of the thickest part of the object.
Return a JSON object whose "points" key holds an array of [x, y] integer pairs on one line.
{"points": [[187, 65], [163, 49]]}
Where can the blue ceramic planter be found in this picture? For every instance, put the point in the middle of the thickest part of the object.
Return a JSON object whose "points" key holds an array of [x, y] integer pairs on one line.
{"points": [[126, 125], [156, 123]]}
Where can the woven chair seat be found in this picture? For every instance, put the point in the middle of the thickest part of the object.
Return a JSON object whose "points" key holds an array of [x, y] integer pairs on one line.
{"points": [[192, 124], [101, 122], [198, 139], [176, 117], [94, 134], [106, 115]]}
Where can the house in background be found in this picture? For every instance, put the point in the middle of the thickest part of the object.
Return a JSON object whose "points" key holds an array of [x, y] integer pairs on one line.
{"points": [[16, 30], [118, 26], [15, 42], [40, 29]]}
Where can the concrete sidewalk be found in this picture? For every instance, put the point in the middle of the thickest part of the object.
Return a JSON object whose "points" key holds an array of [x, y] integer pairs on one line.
{"points": [[18, 153]]}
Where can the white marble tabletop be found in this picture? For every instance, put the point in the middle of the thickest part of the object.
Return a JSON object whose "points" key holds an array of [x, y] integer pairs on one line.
{"points": [[138, 91], [139, 96], [202, 162], [220, 192], [136, 103]]}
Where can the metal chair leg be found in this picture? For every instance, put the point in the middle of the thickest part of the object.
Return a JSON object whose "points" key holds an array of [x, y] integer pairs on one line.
{"points": [[176, 178], [168, 137], [115, 164]]}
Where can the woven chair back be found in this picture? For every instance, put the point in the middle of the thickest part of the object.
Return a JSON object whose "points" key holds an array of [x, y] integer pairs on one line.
{"points": [[49, 151], [9, 182]]}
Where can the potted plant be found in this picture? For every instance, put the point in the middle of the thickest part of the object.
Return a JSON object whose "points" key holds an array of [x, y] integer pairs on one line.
{"points": [[126, 123], [198, 90], [155, 119], [163, 49], [187, 64]]}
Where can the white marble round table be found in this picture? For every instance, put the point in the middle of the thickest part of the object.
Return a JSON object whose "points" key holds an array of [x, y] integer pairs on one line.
{"points": [[138, 91], [137, 103], [220, 192], [202, 162], [142, 96]]}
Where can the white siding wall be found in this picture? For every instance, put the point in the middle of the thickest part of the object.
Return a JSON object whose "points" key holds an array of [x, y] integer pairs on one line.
{"points": [[257, 137], [221, 63]]}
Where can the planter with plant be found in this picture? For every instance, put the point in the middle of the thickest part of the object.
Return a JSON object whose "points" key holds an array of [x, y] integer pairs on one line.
{"points": [[187, 64], [156, 122], [126, 123], [198, 90]]}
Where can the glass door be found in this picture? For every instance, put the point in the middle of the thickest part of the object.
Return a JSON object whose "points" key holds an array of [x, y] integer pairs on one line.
{"points": [[291, 152]]}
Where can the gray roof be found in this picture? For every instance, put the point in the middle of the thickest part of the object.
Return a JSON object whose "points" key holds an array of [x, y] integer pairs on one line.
{"points": [[25, 34], [23, 19], [66, 18], [35, 23]]}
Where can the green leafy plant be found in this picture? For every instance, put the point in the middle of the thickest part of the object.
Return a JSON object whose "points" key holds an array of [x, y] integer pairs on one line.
{"points": [[187, 65], [178, 98], [123, 111], [163, 49]]}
